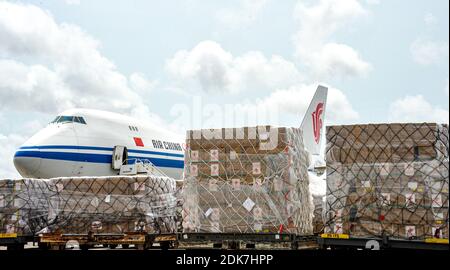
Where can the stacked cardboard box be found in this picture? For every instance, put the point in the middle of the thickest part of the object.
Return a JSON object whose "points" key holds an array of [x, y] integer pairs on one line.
{"points": [[388, 179], [251, 179], [318, 221], [24, 205], [83, 204]]}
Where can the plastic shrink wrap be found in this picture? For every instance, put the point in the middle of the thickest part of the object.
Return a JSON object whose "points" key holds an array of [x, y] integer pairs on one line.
{"points": [[88, 204], [246, 180], [388, 179]]}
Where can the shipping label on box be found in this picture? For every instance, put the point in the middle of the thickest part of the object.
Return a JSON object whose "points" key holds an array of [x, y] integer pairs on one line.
{"points": [[214, 169], [193, 169], [256, 168], [410, 231], [248, 204], [233, 155], [257, 213], [257, 184], [212, 185], [214, 155], [194, 155], [236, 183], [215, 214], [208, 212]]}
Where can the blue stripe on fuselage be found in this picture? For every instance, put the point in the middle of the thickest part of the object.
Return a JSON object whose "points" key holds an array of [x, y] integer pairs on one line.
{"points": [[100, 149], [95, 158]]}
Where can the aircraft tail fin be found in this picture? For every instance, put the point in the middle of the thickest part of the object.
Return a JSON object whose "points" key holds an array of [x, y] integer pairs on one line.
{"points": [[313, 121]]}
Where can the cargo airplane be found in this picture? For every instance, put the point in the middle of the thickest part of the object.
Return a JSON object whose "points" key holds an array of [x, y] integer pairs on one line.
{"points": [[84, 142]]}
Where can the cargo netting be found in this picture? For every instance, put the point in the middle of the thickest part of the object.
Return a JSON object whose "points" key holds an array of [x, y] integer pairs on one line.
{"points": [[115, 204], [388, 180], [246, 180]]}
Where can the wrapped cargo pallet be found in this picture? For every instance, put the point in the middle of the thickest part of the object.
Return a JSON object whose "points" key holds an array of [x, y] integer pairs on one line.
{"points": [[246, 180], [388, 179], [318, 222], [88, 204]]}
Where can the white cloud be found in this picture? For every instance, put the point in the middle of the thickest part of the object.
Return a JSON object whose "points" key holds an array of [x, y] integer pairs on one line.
{"points": [[71, 70], [417, 109], [313, 47], [446, 89], [295, 101], [8, 145], [217, 70], [72, 2], [427, 52], [49, 67], [373, 2], [430, 19], [244, 14]]}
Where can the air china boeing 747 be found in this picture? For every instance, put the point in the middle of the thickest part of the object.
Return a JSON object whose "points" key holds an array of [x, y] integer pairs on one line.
{"points": [[84, 142]]}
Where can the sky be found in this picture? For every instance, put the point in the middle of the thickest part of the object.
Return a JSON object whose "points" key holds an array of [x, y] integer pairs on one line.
{"points": [[201, 64]]}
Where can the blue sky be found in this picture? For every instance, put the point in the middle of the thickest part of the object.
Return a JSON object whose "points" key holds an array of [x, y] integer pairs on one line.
{"points": [[384, 61]]}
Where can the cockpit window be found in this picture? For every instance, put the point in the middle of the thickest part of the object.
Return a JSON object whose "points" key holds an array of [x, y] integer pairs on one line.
{"points": [[80, 120], [69, 119], [65, 119]]}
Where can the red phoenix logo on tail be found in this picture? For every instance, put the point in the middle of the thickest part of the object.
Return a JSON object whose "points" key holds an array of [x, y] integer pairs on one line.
{"points": [[317, 121]]}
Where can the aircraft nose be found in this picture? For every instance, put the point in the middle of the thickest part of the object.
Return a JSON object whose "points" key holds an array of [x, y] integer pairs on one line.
{"points": [[27, 162]]}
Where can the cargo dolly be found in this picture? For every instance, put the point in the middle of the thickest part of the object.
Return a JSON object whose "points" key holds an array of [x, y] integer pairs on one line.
{"points": [[231, 241], [58, 241], [245, 241], [14, 241], [344, 241]]}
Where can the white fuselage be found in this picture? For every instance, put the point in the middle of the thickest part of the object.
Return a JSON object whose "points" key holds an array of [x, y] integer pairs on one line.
{"points": [[85, 145]]}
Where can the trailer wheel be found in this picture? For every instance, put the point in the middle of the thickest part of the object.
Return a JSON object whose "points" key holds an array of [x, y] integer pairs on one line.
{"points": [[112, 246], [43, 246], [15, 247], [164, 245], [125, 246], [84, 247]]}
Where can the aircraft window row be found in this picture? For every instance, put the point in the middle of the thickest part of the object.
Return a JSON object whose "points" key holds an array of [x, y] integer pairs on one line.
{"points": [[69, 119], [133, 128]]}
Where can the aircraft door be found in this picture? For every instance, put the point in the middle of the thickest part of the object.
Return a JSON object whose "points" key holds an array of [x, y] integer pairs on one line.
{"points": [[119, 157]]}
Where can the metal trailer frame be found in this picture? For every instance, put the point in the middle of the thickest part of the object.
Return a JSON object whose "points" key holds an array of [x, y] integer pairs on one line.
{"points": [[143, 241], [58, 241], [246, 240], [346, 242], [13, 241]]}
